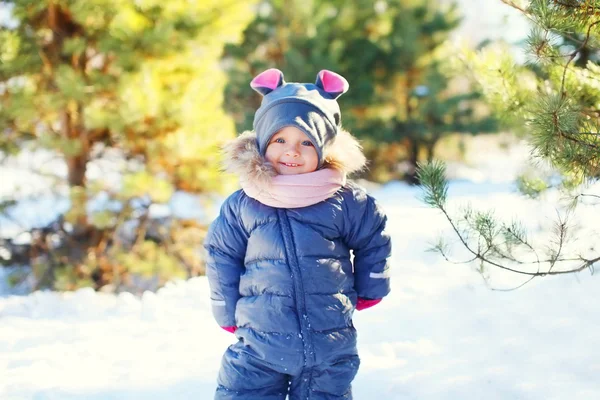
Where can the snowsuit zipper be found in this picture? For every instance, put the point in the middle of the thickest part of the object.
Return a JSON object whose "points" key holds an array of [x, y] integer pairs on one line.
{"points": [[292, 257]]}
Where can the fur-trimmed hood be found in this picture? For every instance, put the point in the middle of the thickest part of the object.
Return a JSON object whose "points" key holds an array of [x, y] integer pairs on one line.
{"points": [[241, 157]]}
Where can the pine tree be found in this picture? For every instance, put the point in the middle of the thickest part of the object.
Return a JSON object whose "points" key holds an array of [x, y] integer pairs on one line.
{"points": [[554, 103], [388, 51], [141, 79]]}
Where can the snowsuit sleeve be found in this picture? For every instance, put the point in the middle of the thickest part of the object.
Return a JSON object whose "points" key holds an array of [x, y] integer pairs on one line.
{"points": [[225, 244], [365, 234]]}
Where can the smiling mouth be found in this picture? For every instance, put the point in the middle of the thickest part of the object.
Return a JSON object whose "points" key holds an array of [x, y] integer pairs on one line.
{"points": [[290, 164]]}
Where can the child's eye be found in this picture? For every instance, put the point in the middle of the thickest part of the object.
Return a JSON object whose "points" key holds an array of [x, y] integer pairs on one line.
{"points": [[279, 140], [307, 143]]}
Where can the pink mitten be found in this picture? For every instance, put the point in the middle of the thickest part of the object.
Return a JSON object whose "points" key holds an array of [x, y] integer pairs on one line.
{"points": [[230, 329], [362, 304]]}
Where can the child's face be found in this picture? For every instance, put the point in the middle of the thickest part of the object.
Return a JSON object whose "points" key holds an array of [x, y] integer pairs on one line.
{"points": [[291, 152]]}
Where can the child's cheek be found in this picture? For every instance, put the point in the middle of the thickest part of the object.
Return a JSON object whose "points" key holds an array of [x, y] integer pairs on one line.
{"points": [[311, 158], [269, 154]]}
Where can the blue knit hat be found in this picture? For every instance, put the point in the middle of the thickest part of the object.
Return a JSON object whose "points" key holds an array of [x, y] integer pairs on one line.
{"points": [[309, 107]]}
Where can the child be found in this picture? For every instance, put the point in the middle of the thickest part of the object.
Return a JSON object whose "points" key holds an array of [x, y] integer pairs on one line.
{"points": [[279, 263]]}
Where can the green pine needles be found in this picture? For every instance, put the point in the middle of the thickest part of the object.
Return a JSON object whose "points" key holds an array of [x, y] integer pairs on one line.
{"points": [[133, 85], [554, 103], [433, 180]]}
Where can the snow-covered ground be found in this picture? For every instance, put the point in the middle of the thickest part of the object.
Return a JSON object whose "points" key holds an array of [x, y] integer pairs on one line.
{"points": [[441, 334]]}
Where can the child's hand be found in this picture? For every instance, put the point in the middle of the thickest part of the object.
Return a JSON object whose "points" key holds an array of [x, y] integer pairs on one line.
{"points": [[362, 304], [230, 329]]}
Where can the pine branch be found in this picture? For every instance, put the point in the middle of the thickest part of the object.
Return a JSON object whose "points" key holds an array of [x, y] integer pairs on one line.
{"points": [[428, 173], [478, 255], [587, 195], [571, 56], [574, 5], [579, 142], [574, 53], [515, 6], [562, 233], [516, 287]]}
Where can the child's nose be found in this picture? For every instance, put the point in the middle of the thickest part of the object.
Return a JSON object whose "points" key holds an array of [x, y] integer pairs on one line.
{"points": [[292, 151]]}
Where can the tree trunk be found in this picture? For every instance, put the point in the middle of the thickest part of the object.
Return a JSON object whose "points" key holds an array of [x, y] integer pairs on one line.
{"points": [[411, 175], [584, 56], [63, 27], [413, 148], [430, 146], [77, 167], [76, 164]]}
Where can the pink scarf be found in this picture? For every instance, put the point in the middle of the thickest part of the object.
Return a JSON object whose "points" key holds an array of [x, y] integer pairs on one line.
{"points": [[295, 191]]}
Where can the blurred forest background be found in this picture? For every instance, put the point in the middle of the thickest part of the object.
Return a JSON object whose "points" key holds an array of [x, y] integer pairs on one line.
{"points": [[118, 109]]}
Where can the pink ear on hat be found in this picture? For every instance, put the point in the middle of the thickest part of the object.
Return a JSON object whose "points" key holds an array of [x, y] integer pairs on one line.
{"points": [[334, 84], [267, 81]]}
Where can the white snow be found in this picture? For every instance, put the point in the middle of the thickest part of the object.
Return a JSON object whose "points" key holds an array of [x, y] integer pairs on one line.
{"points": [[442, 333]]}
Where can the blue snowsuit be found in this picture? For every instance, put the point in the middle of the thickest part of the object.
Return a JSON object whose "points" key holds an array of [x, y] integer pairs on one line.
{"points": [[286, 279]]}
